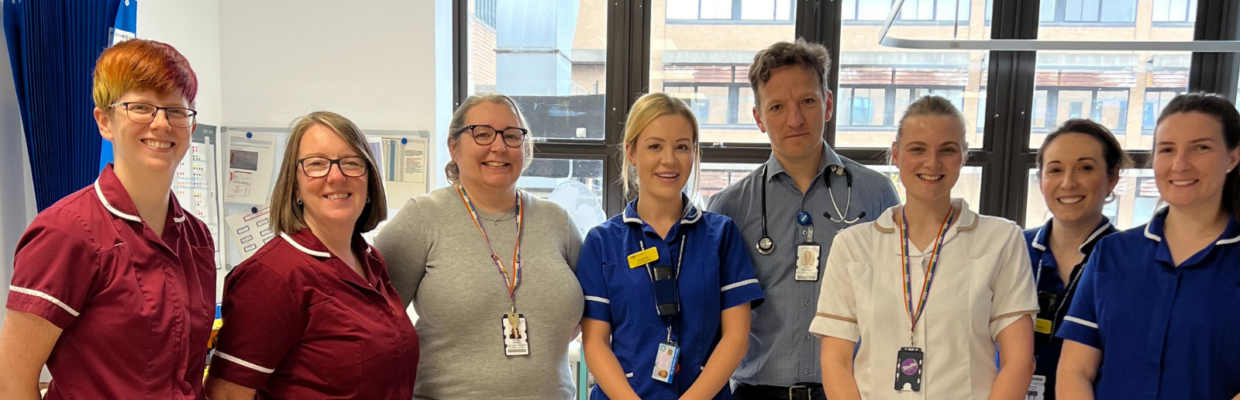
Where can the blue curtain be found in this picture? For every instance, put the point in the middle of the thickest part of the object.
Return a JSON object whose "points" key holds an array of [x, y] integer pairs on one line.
{"points": [[53, 45]]}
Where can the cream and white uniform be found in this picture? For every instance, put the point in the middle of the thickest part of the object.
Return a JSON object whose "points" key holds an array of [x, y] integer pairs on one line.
{"points": [[982, 285]]}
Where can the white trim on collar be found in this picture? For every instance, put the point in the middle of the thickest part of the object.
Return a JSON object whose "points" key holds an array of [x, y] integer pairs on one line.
{"points": [[1227, 241], [1037, 238], [178, 219], [697, 214], [630, 220], [685, 219], [113, 210], [1092, 237], [1151, 235], [303, 249]]}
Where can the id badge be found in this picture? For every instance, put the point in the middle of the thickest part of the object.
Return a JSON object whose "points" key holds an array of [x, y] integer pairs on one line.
{"points": [[807, 262], [1037, 388], [1042, 326], [909, 369], [665, 362], [516, 338]]}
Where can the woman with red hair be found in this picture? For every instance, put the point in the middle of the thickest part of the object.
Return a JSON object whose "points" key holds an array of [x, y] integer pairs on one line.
{"points": [[114, 286]]}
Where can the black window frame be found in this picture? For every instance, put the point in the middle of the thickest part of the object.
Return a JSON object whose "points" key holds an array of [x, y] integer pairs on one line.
{"points": [[1005, 156]]}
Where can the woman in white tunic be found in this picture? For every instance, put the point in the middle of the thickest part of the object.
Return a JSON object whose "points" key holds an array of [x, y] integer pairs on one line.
{"points": [[929, 287]]}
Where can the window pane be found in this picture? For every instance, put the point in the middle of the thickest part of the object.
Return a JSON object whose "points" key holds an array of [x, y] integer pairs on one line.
{"points": [[561, 92], [576, 185], [758, 9], [873, 10], [878, 83], [682, 9], [1107, 87], [716, 9], [708, 65], [1136, 197], [968, 187], [1122, 90], [718, 176]]}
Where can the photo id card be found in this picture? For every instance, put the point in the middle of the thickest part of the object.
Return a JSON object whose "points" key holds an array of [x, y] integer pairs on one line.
{"points": [[909, 369], [516, 338], [1037, 388], [665, 362], [807, 262]]}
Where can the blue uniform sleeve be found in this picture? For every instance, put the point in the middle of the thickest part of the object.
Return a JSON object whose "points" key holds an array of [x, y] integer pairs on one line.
{"points": [[590, 273], [1081, 323], [737, 282]]}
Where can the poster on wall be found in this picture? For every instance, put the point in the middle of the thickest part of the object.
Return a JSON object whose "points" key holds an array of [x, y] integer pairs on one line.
{"points": [[194, 184], [250, 230], [250, 160], [405, 169]]}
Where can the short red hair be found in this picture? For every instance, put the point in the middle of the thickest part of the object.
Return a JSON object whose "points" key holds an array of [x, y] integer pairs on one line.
{"points": [[139, 64]]}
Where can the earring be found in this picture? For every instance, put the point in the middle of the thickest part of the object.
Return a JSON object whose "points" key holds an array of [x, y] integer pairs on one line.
{"points": [[299, 202], [367, 200], [1110, 198]]}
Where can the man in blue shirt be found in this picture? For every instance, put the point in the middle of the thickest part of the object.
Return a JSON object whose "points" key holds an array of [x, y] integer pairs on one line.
{"points": [[792, 205]]}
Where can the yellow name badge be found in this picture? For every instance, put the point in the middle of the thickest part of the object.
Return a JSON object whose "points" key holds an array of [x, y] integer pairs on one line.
{"points": [[1042, 326], [643, 257]]}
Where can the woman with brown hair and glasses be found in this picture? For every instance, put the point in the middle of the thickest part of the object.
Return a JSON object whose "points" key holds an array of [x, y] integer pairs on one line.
{"points": [[480, 259], [313, 314]]}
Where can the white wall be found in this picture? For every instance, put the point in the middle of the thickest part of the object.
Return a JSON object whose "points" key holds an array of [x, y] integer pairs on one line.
{"points": [[370, 61], [193, 28]]}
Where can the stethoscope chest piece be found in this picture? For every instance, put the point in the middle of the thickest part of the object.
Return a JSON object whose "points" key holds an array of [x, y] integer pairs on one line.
{"points": [[765, 245]]}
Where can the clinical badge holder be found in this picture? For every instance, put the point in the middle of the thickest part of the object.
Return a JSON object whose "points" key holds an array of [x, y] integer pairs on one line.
{"points": [[1043, 325], [667, 299], [909, 369], [808, 258], [1037, 388], [665, 363], [516, 335]]}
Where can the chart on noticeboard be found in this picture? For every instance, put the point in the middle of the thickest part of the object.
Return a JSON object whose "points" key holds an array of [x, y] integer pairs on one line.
{"points": [[251, 163], [195, 185]]}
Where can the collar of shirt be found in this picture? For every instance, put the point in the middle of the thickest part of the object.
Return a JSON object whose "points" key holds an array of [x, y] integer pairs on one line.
{"points": [[1154, 231], [965, 220], [829, 158], [116, 199], [690, 215], [305, 241], [1041, 241], [1044, 259]]}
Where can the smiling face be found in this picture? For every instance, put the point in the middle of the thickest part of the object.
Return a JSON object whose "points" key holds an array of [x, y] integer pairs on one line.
{"points": [[929, 155], [335, 199], [793, 111], [663, 155], [1191, 160], [145, 148], [497, 165], [1074, 179]]}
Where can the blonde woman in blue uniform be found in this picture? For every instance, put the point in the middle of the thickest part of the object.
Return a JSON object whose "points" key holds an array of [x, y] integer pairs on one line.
{"points": [[668, 287]]}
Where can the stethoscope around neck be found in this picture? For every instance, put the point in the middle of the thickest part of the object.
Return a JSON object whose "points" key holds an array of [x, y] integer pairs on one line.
{"points": [[766, 246]]}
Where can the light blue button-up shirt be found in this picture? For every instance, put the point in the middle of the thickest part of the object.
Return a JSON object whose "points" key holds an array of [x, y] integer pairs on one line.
{"points": [[782, 351]]}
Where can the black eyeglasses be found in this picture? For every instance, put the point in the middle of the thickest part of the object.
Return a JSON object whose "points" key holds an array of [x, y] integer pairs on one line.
{"points": [[484, 135], [144, 113], [318, 167]]}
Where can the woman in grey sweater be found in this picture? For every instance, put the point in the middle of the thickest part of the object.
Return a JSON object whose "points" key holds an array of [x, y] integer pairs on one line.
{"points": [[489, 269]]}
